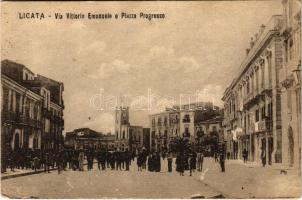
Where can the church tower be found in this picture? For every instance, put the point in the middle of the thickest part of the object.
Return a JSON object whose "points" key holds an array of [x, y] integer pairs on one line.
{"points": [[122, 127]]}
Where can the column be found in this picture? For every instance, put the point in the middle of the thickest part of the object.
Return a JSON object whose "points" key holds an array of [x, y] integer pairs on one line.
{"points": [[266, 148]]}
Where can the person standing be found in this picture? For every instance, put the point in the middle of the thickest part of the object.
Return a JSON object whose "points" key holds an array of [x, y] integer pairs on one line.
{"points": [[150, 162], [157, 161], [99, 158], [46, 162], [127, 159], [180, 163], [200, 157], [59, 161], [263, 157], [170, 160], [222, 160], [244, 155], [81, 160], [192, 163]]}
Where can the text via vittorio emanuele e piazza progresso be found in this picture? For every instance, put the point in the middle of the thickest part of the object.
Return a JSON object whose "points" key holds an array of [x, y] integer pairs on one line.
{"points": [[91, 16]]}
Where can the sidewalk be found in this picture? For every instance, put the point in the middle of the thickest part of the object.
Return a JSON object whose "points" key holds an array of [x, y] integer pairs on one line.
{"points": [[21, 172], [250, 181]]}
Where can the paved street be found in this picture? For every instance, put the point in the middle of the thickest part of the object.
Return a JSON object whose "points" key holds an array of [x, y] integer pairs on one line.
{"points": [[108, 184], [239, 181]]}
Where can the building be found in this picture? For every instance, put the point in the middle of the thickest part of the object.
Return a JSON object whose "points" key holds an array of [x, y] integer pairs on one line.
{"points": [[84, 138], [252, 102], [122, 128], [210, 134], [290, 80], [136, 138], [146, 138], [32, 111], [178, 121]]}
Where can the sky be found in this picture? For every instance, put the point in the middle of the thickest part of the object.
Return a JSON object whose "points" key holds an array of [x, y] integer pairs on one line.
{"points": [[195, 51]]}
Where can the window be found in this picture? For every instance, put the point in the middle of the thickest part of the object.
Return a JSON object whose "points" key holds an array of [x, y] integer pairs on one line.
{"points": [[248, 86], [214, 128], [165, 121], [291, 49], [159, 122], [263, 112], [270, 111], [5, 98], [123, 134], [186, 119], [262, 74], [17, 102], [186, 133], [166, 133], [257, 115]]}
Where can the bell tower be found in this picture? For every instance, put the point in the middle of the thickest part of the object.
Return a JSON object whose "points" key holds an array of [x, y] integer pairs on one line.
{"points": [[122, 126]]}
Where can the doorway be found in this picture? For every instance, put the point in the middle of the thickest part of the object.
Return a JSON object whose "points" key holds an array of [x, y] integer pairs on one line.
{"points": [[290, 146], [16, 141]]}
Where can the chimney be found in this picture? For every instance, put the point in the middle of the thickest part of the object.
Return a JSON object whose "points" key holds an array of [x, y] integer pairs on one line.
{"points": [[247, 51], [262, 27], [252, 42]]}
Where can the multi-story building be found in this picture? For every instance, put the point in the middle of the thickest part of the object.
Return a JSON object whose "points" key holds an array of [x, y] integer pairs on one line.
{"points": [[210, 134], [136, 138], [26, 106], [178, 121], [84, 138], [291, 84], [252, 103]]}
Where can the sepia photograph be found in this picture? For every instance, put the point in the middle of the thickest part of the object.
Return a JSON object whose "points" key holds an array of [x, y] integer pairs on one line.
{"points": [[151, 99]]}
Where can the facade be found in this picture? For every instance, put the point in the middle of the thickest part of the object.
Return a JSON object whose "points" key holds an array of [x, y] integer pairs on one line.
{"points": [[26, 116], [291, 84], [122, 128], [146, 138], [210, 126], [252, 103], [136, 138], [84, 138], [210, 134], [178, 121]]}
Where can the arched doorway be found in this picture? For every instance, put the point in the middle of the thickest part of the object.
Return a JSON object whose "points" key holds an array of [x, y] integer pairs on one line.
{"points": [[290, 146], [16, 141]]}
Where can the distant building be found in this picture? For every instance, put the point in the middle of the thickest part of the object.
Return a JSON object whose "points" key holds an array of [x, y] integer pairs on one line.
{"points": [[146, 138], [31, 112], [84, 138], [136, 138], [210, 134], [178, 121]]}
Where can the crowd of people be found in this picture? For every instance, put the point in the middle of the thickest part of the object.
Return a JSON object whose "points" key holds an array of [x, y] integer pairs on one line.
{"points": [[114, 160]]}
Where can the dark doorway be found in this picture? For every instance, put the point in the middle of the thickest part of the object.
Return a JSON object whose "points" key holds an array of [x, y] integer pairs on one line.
{"points": [[291, 146], [17, 141]]}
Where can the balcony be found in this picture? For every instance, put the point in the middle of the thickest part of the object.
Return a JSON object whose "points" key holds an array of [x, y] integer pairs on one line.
{"points": [[261, 126], [174, 121], [186, 120], [20, 119]]}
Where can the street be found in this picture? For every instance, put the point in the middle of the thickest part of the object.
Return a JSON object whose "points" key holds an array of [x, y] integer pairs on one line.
{"points": [[107, 184]]}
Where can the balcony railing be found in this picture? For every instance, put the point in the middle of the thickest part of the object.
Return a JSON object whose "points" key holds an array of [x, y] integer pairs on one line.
{"points": [[19, 118], [186, 120]]}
